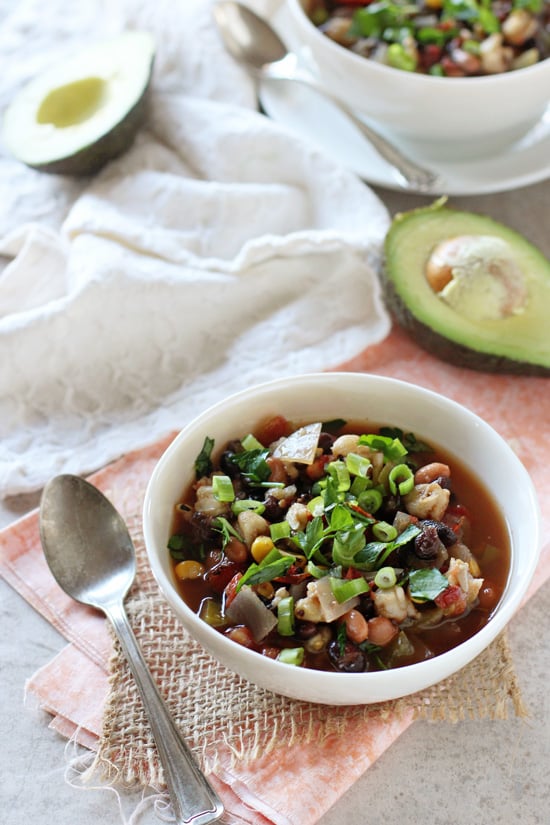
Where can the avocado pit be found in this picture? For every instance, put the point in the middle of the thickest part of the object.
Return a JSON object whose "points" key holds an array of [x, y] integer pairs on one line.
{"points": [[477, 276]]}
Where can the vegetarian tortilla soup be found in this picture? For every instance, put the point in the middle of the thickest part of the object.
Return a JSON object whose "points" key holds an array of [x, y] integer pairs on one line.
{"points": [[338, 546]]}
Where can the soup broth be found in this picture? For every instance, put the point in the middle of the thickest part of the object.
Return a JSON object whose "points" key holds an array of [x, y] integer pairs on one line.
{"points": [[311, 516]]}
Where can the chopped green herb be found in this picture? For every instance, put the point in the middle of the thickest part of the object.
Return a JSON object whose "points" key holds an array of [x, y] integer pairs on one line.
{"points": [[409, 440], [253, 464], [426, 584], [226, 529], [203, 462]]}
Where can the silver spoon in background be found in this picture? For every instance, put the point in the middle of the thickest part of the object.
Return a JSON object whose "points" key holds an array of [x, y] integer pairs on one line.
{"points": [[91, 555], [252, 41]]}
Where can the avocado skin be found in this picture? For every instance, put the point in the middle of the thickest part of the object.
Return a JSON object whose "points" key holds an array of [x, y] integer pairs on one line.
{"points": [[447, 350], [90, 159]]}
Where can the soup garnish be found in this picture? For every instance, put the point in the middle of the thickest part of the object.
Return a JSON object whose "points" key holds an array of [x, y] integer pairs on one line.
{"points": [[338, 547], [448, 38]]}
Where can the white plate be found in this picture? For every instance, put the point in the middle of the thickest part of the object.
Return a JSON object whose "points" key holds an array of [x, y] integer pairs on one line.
{"points": [[308, 114]]}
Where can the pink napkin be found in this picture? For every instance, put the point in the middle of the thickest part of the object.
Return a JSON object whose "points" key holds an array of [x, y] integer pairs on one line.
{"points": [[74, 685]]}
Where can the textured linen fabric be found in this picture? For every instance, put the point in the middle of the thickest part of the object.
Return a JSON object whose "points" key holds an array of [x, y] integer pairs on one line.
{"points": [[218, 252]]}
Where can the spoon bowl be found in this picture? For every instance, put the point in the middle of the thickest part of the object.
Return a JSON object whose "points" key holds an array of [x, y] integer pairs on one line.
{"points": [[91, 556], [252, 41]]}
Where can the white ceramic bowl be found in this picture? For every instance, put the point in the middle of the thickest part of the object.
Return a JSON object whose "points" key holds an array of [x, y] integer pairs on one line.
{"points": [[360, 397], [439, 117]]}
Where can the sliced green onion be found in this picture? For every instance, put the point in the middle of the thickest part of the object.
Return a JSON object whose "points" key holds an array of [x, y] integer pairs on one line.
{"points": [[358, 465], [392, 448], [222, 487], [340, 473], [359, 485], [291, 656], [344, 589], [316, 506], [250, 442], [384, 531], [279, 530], [285, 616], [370, 500], [242, 504], [401, 478], [385, 578], [316, 571]]}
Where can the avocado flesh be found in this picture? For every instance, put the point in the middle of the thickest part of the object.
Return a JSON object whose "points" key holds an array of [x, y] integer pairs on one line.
{"points": [[78, 115], [516, 343]]}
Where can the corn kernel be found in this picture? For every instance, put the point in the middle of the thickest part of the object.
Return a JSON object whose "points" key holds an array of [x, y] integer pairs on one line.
{"points": [[189, 569], [261, 546]]}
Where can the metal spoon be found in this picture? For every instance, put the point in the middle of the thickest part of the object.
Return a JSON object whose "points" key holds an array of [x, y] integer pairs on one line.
{"points": [[251, 40], [92, 558]]}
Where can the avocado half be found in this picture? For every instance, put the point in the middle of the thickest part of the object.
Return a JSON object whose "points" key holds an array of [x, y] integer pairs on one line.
{"points": [[470, 290], [76, 116]]}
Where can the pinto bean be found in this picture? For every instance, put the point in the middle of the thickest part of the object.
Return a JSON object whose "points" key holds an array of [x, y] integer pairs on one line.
{"points": [[381, 631], [430, 472], [357, 629], [236, 550]]}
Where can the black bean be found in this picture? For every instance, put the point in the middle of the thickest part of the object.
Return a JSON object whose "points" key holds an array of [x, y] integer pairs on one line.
{"points": [[446, 534], [427, 543], [305, 630], [326, 440], [273, 511], [347, 657], [227, 465]]}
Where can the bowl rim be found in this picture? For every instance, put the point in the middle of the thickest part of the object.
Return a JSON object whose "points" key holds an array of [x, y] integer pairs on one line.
{"points": [[381, 682], [357, 61]]}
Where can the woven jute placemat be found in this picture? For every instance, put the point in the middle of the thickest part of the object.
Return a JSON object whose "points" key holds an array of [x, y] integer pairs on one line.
{"points": [[215, 707]]}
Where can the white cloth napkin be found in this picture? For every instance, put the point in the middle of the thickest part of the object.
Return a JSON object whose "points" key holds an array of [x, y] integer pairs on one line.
{"points": [[219, 251]]}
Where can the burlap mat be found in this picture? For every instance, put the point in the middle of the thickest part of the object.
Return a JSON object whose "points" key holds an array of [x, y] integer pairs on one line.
{"points": [[216, 708]]}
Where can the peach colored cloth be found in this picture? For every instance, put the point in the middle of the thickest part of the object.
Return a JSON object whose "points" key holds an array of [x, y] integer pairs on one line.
{"points": [[74, 685]]}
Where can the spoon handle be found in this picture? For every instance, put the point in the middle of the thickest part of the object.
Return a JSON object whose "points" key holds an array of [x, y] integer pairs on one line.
{"points": [[413, 174], [192, 798]]}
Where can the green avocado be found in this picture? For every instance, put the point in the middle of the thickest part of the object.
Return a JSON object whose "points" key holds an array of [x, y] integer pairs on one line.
{"points": [[469, 290], [81, 113]]}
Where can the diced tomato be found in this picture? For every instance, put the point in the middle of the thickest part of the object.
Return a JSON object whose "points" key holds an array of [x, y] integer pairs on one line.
{"points": [[452, 601], [458, 510], [431, 54], [270, 651], [230, 590], [272, 429], [240, 634], [294, 575], [353, 573], [316, 470]]}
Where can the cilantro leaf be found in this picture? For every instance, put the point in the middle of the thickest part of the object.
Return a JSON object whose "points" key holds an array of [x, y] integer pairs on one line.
{"points": [[203, 462], [426, 584], [409, 440], [253, 464]]}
